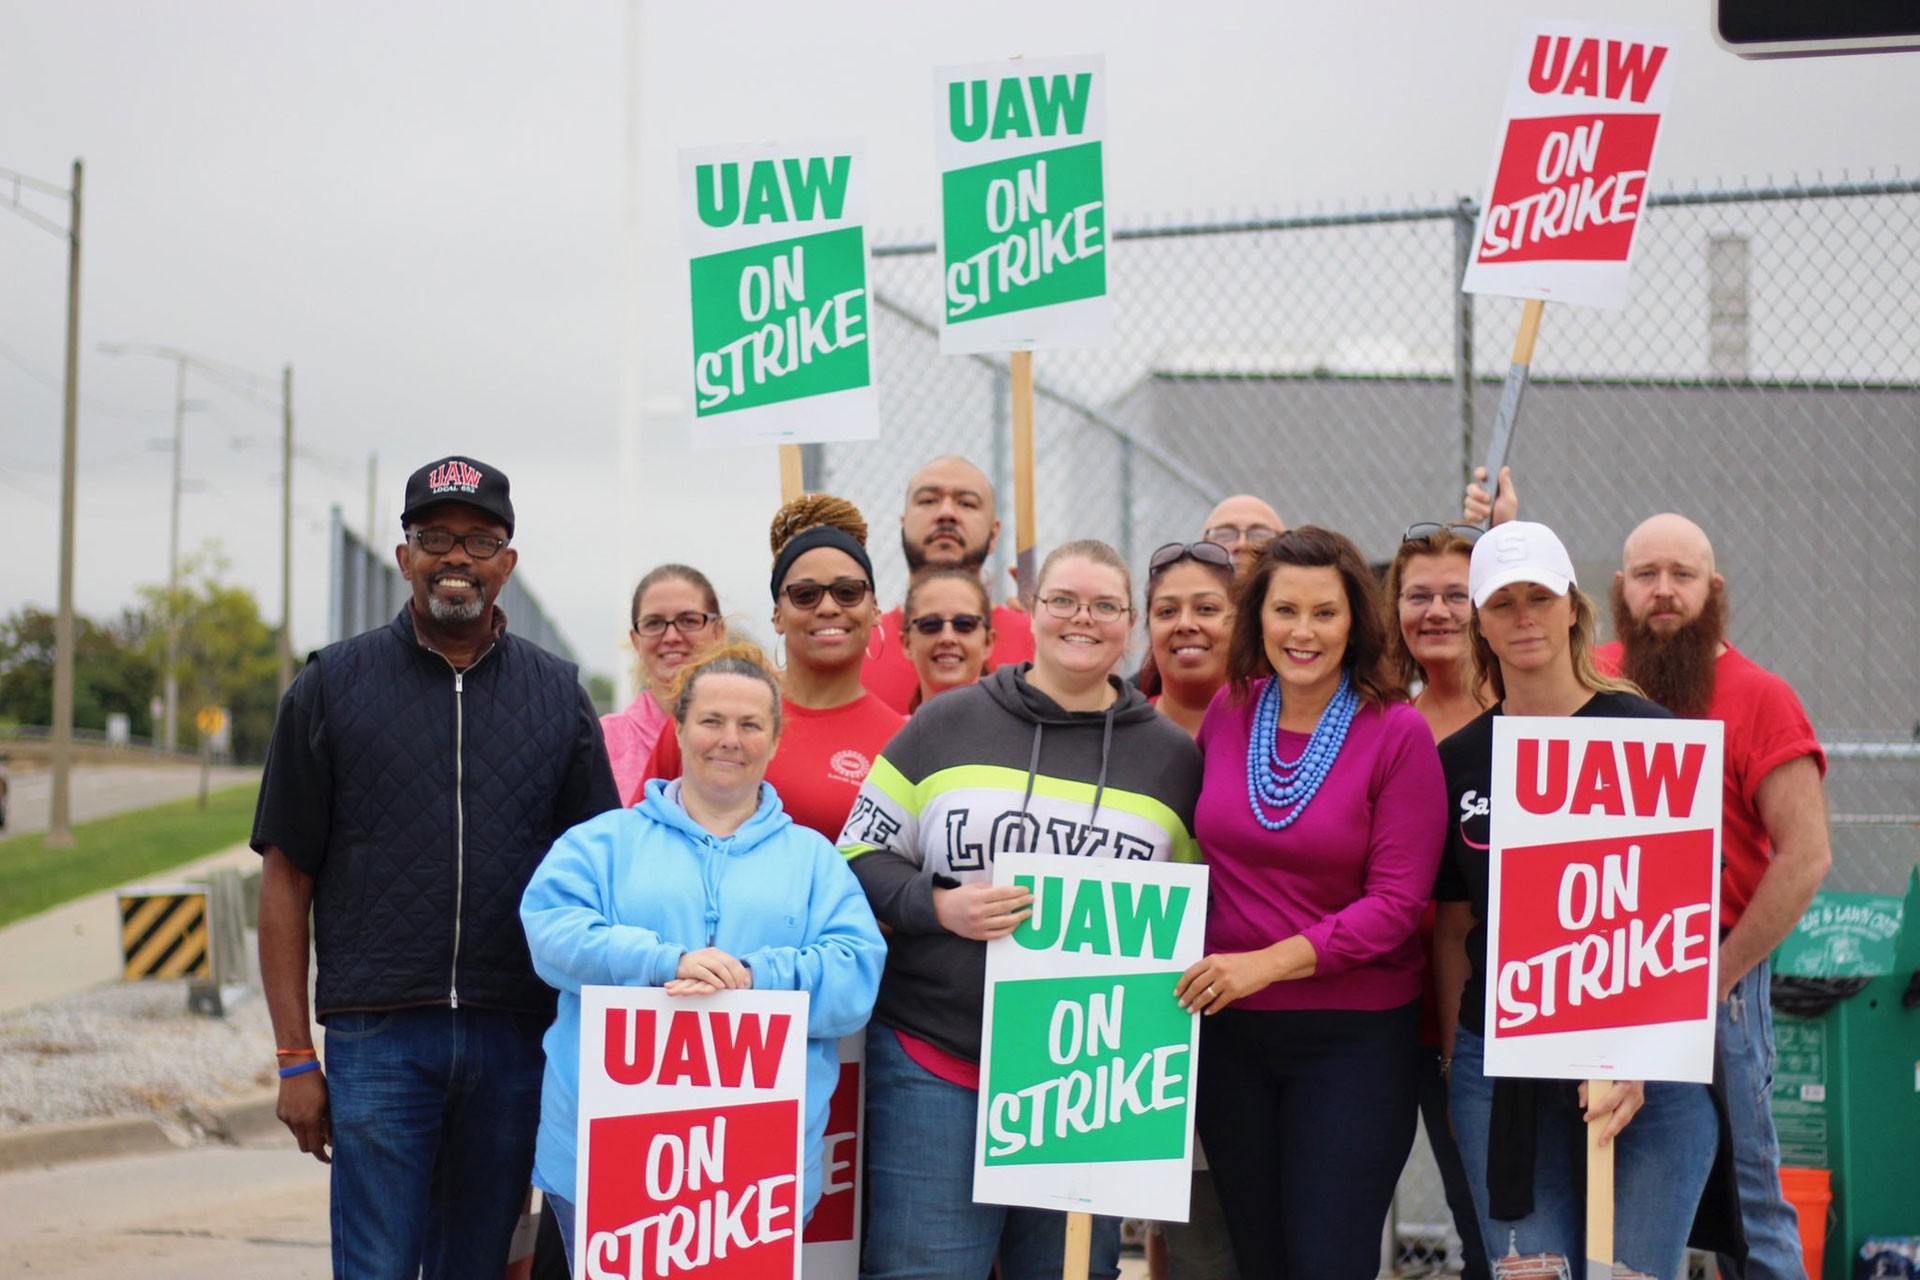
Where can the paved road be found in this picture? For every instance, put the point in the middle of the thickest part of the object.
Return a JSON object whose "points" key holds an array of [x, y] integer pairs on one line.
{"points": [[241, 1213], [101, 790]]}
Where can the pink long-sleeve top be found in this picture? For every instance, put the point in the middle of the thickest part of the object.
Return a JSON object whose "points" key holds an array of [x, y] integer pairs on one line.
{"points": [[1351, 875]]}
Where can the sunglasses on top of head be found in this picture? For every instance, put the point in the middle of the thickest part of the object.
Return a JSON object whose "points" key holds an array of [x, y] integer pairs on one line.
{"points": [[846, 592], [1205, 552], [1421, 530]]}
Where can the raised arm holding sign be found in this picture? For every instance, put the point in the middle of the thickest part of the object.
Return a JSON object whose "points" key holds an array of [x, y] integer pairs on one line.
{"points": [[1569, 182]]}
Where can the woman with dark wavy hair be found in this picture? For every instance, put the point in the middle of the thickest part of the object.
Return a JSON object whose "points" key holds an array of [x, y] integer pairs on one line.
{"points": [[1322, 814]]}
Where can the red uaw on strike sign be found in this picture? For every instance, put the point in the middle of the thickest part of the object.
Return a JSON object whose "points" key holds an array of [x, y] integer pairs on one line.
{"points": [[831, 1246], [1603, 898], [1570, 178], [691, 1125]]}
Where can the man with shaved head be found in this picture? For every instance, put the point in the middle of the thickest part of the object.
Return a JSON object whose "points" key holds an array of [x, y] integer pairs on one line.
{"points": [[1669, 617], [1244, 525], [949, 522]]}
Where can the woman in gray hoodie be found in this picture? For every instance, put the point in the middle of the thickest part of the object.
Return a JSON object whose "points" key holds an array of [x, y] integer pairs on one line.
{"points": [[1055, 756]]}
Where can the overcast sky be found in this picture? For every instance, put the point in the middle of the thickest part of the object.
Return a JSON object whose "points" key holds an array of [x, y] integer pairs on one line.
{"points": [[427, 209]]}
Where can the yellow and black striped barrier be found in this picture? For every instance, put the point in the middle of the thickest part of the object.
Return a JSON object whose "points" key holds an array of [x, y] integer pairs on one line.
{"points": [[163, 933]]}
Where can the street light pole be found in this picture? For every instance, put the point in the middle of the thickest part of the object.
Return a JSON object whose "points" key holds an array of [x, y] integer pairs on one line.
{"points": [[170, 683]]}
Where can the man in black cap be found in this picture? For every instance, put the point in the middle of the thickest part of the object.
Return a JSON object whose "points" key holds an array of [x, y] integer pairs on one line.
{"points": [[417, 775]]}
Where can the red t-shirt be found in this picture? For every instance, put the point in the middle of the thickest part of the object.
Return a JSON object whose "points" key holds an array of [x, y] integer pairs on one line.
{"points": [[891, 677], [1765, 727], [822, 759]]}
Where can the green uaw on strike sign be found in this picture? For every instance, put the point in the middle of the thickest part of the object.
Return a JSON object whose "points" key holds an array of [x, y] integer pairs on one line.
{"points": [[1023, 227], [1087, 1060], [781, 311]]}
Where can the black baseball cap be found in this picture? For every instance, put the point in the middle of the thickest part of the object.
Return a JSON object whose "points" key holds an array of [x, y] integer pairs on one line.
{"points": [[460, 479]]}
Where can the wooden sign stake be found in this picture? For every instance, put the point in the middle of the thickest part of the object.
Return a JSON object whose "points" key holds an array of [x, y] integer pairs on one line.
{"points": [[1599, 1184], [1079, 1252], [792, 477], [1516, 386], [1020, 366]]}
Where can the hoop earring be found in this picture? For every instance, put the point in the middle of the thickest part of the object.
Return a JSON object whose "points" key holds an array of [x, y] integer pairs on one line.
{"points": [[879, 633], [780, 650]]}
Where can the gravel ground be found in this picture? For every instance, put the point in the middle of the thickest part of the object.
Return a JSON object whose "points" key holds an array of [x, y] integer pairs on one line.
{"points": [[128, 1050]]}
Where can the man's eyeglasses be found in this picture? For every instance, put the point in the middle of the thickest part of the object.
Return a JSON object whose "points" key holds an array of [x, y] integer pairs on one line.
{"points": [[1173, 553], [932, 624], [1102, 610], [655, 624], [437, 542], [1256, 536], [1424, 529], [846, 592]]}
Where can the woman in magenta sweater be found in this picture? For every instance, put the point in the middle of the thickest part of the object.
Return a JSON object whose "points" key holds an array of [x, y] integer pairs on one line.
{"points": [[1322, 815]]}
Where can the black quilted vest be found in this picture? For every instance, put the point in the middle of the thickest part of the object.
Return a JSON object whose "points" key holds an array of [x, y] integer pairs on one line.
{"points": [[445, 790]]}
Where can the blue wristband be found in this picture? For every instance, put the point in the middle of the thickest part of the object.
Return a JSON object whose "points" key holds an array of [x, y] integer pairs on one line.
{"points": [[300, 1070]]}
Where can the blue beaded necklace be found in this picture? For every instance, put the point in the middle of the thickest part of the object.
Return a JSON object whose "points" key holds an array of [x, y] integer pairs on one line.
{"points": [[1290, 785]]}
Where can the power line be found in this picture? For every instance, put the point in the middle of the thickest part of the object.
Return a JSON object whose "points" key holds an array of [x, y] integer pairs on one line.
{"points": [[54, 381]]}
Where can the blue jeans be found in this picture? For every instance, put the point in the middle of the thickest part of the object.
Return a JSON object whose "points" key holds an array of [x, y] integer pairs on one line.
{"points": [[434, 1113], [562, 1210], [1660, 1165], [1746, 1055], [1446, 1156], [922, 1222]]}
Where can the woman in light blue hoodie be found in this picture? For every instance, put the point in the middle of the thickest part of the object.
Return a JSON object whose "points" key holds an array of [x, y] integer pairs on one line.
{"points": [[704, 885]]}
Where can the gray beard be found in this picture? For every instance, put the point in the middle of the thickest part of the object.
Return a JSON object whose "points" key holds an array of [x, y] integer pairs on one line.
{"points": [[447, 611]]}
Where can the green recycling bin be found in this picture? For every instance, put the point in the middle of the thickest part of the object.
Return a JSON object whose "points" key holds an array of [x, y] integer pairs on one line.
{"points": [[1846, 1081]]}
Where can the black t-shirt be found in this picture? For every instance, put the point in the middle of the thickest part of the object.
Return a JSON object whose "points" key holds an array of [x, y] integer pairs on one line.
{"points": [[1467, 759]]}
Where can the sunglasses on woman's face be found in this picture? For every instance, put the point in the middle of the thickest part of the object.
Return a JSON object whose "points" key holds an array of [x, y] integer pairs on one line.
{"points": [[932, 624], [846, 592]]}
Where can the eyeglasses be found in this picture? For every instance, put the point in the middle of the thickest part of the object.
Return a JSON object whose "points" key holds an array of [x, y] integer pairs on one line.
{"points": [[655, 624], [1424, 529], [1255, 536], [437, 542], [1205, 552], [932, 624], [1102, 610], [846, 592], [1421, 601]]}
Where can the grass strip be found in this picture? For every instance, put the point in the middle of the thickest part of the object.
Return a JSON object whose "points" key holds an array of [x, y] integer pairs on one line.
{"points": [[109, 852]]}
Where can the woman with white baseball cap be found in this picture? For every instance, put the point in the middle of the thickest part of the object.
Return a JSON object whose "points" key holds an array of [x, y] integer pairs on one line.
{"points": [[1533, 634]]}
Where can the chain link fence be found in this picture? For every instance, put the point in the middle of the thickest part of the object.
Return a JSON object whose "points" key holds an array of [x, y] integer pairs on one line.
{"points": [[1764, 379]]}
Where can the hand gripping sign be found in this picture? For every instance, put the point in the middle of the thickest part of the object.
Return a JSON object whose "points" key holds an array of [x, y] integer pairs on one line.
{"points": [[1570, 178], [1023, 228], [1087, 1060], [781, 310], [1603, 898], [691, 1125]]}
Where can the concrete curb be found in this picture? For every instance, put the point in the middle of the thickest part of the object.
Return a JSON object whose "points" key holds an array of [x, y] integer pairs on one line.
{"points": [[249, 1119]]}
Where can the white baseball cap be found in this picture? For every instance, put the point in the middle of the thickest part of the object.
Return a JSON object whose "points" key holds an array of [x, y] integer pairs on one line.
{"points": [[1518, 551]]}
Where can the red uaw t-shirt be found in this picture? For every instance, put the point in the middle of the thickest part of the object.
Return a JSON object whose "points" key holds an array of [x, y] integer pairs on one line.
{"points": [[891, 677], [822, 759], [1765, 727]]}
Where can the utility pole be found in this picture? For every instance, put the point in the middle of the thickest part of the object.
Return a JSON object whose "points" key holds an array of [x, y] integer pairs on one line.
{"points": [[373, 506], [170, 678], [60, 811], [285, 642]]}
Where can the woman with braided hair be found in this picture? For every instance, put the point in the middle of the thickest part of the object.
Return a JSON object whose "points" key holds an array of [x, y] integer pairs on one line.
{"points": [[823, 613]]}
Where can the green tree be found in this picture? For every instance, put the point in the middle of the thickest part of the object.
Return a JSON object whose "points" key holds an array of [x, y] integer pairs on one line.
{"points": [[227, 656], [112, 670]]}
